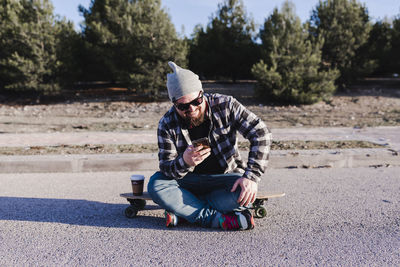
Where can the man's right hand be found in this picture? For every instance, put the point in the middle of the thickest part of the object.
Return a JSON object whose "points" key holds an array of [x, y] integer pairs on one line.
{"points": [[193, 156]]}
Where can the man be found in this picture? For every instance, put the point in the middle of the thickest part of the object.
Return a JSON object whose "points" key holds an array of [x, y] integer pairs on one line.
{"points": [[208, 185]]}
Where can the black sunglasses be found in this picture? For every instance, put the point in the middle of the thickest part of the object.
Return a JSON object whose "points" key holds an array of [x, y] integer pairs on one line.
{"points": [[195, 102]]}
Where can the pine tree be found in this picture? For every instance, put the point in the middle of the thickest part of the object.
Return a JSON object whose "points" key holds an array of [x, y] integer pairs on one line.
{"points": [[70, 53], [131, 42], [27, 46], [225, 49], [380, 46], [344, 25], [395, 44], [290, 71]]}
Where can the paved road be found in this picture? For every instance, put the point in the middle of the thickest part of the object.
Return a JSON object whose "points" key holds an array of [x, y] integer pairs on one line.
{"points": [[345, 216]]}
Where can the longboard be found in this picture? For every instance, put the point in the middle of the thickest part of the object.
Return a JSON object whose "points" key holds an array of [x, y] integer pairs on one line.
{"points": [[138, 203]]}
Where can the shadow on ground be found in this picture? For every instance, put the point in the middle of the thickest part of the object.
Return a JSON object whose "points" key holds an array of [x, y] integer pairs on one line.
{"points": [[80, 212]]}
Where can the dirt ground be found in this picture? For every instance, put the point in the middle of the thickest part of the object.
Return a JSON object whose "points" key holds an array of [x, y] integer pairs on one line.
{"points": [[153, 148], [374, 103]]}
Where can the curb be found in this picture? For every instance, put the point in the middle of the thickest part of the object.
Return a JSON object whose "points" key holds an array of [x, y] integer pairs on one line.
{"points": [[345, 158]]}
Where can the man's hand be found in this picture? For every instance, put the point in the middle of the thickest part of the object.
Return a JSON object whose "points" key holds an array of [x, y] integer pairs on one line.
{"points": [[193, 156], [248, 193]]}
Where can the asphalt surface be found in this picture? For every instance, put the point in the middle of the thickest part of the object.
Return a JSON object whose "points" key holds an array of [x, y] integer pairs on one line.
{"points": [[341, 207], [329, 217]]}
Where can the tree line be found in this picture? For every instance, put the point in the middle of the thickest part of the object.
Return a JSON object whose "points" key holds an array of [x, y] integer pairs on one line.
{"points": [[129, 42]]}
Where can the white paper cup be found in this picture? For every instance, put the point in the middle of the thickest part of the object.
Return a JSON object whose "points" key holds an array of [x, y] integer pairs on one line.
{"points": [[137, 181]]}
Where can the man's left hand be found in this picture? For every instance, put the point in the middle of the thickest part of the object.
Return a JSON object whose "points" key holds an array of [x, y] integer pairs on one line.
{"points": [[248, 193]]}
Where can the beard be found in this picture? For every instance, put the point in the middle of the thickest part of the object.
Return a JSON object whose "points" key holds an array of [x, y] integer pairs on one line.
{"points": [[194, 121]]}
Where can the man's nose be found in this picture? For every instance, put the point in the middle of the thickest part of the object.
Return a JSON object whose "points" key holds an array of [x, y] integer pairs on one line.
{"points": [[192, 108]]}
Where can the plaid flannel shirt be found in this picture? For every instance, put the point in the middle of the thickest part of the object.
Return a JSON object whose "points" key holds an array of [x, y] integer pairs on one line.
{"points": [[227, 117]]}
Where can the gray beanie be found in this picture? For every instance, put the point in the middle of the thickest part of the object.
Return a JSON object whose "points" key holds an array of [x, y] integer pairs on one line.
{"points": [[181, 82]]}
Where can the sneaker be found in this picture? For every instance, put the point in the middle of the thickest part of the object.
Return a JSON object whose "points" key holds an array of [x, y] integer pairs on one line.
{"points": [[170, 219], [237, 221]]}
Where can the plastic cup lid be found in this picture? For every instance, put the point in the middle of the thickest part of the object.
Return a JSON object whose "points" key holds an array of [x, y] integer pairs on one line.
{"points": [[137, 177]]}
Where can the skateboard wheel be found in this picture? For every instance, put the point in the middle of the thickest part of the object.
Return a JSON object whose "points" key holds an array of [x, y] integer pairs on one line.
{"points": [[260, 212], [139, 203], [131, 212]]}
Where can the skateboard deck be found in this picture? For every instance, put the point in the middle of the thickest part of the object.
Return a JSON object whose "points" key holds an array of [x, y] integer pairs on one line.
{"points": [[138, 203]]}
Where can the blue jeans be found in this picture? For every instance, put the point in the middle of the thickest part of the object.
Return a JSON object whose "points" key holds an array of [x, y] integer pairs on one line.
{"points": [[198, 198]]}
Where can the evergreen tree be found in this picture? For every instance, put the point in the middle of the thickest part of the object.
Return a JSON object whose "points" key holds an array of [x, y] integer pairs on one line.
{"points": [[380, 46], [131, 42], [27, 46], [344, 25], [395, 43], [225, 49], [290, 70], [71, 54]]}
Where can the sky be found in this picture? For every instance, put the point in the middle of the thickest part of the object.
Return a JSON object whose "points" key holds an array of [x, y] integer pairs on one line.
{"points": [[186, 14]]}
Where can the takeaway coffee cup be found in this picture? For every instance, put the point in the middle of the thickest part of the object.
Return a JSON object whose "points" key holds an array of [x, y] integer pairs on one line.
{"points": [[137, 181]]}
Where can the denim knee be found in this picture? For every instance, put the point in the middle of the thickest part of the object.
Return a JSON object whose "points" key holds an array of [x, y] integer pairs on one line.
{"points": [[157, 182], [151, 183]]}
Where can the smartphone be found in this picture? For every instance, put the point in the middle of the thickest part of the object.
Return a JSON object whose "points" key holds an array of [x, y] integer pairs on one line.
{"points": [[202, 141]]}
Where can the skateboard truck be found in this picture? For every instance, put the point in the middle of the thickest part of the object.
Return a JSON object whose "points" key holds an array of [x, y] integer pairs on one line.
{"points": [[135, 207], [137, 203]]}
